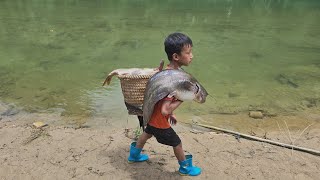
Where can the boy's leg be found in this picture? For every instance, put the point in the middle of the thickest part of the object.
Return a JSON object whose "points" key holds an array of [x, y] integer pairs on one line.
{"points": [[179, 153], [185, 162], [136, 148], [143, 139], [169, 137]]}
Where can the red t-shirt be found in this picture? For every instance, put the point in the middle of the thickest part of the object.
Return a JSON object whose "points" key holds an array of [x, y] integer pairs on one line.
{"points": [[158, 120]]}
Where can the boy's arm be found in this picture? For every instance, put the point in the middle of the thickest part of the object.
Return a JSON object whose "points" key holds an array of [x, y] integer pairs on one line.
{"points": [[169, 106]]}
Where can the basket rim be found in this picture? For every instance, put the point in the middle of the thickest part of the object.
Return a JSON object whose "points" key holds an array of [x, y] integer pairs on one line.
{"points": [[128, 76]]}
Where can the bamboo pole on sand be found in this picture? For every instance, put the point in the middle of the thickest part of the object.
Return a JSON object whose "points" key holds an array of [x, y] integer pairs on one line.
{"points": [[293, 147]]}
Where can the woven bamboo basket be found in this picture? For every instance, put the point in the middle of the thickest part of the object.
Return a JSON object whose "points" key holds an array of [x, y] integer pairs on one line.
{"points": [[133, 87]]}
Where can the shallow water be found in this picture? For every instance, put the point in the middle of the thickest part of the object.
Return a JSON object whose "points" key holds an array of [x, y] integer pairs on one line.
{"points": [[250, 55]]}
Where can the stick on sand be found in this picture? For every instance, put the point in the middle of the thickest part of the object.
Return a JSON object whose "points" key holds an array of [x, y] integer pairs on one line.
{"points": [[311, 151]]}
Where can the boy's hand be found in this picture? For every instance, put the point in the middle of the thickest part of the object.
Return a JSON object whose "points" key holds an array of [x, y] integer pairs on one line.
{"points": [[173, 119]]}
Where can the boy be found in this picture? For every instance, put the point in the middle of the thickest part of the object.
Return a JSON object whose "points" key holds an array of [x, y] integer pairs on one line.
{"points": [[179, 51]]}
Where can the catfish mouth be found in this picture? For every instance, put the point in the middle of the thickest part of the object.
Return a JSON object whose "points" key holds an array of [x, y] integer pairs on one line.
{"points": [[198, 95], [198, 89]]}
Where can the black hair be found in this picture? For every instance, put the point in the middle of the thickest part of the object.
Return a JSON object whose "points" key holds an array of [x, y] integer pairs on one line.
{"points": [[175, 42]]}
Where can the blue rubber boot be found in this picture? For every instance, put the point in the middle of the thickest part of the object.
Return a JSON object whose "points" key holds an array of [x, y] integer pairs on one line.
{"points": [[187, 169], [135, 154]]}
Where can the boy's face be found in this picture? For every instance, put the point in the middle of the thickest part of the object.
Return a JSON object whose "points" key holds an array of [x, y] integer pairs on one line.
{"points": [[185, 57]]}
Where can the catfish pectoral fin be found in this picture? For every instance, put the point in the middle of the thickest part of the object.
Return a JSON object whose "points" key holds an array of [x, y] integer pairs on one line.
{"points": [[172, 94]]}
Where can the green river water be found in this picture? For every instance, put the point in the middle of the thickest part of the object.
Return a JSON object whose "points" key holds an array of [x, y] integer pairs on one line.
{"points": [[249, 54]]}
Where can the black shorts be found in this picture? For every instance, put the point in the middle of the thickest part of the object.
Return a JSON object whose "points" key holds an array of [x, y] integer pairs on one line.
{"points": [[164, 136]]}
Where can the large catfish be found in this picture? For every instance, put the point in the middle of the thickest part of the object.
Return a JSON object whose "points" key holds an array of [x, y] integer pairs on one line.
{"points": [[177, 83]]}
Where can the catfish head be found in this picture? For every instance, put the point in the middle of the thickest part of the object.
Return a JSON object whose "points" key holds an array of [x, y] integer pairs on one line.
{"points": [[190, 90]]}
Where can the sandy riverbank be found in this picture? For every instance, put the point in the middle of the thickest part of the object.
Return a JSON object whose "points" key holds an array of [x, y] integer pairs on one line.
{"points": [[58, 152]]}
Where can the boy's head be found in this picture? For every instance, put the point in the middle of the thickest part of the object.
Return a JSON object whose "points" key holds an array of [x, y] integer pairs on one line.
{"points": [[178, 47]]}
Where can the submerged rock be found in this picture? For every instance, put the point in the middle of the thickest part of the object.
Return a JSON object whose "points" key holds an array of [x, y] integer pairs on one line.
{"points": [[283, 79], [10, 112], [3, 108]]}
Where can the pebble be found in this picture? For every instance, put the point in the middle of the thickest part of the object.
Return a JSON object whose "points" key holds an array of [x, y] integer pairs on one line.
{"points": [[256, 114], [39, 124]]}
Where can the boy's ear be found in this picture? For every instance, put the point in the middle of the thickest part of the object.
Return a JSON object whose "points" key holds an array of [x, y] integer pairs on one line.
{"points": [[175, 56]]}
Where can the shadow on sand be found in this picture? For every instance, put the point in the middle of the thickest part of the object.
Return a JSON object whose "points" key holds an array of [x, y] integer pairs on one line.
{"points": [[154, 168]]}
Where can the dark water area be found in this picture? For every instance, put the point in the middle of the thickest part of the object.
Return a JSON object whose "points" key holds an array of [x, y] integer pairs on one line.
{"points": [[249, 54]]}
